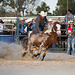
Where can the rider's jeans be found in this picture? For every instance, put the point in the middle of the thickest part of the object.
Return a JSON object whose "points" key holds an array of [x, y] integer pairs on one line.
{"points": [[73, 48], [41, 27]]}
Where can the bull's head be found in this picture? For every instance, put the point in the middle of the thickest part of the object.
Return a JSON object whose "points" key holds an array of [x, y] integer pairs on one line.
{"points": [[58, 31], [57, 28]]}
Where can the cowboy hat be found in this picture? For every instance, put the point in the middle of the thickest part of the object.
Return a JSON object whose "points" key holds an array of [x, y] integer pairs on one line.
{"points": [[29, 20], [50, 20], [42, 13], [1, 21], [70, 22]]}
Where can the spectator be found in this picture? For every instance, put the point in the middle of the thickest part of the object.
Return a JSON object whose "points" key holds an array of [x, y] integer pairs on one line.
{"points": [[70, 17], [70, 37], [40, 22], [29, 26], [59, 20], [50, 24], [22, 25], [1, 27]]}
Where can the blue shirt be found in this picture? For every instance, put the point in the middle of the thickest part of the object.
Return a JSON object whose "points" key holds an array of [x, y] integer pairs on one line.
{"points": [[22, 27], [70, 17]]}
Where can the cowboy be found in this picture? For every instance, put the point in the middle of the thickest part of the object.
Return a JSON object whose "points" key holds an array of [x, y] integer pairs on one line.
{"points": [[40, 22], [1, 27], [50, 23], [29, 26], [70, 16], [59, 20], [22, 26]]}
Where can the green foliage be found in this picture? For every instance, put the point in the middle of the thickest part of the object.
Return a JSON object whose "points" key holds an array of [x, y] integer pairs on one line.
{"points": [[21, 5], [2, 12], [43, 7], [62, 7]]}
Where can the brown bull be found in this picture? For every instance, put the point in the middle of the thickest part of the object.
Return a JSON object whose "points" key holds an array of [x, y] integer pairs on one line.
{"points": [[43, 42]]}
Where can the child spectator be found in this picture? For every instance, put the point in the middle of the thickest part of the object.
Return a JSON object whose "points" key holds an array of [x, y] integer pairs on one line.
{"points": [[70, 37]]}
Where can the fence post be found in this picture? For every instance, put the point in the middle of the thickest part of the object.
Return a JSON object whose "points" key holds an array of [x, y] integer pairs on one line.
{"points": [[17, 31]]}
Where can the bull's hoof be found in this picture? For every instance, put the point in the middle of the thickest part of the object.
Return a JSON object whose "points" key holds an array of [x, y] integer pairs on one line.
{"points": [[34, 56], [24, 54], [42, 60], [38, 54]]}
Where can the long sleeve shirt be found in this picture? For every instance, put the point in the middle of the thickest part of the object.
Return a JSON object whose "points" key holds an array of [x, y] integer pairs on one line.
{"points": [[70, 17], [22, 26], [40, 22], [71, 32]]}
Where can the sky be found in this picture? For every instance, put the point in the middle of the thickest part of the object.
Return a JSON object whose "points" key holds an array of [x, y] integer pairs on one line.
{"points": [[51, 3]]}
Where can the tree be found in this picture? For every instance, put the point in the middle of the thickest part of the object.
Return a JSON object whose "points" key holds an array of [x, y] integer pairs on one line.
{"points": [[43, 7], [5, 3], [2, 12], [62, 7], [24, 6]]}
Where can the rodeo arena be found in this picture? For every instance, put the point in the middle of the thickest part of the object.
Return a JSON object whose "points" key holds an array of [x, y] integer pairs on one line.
{"points": [[31, 46]]}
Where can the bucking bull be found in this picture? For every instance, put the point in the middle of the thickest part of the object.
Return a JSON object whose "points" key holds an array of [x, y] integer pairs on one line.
{"points": [[43, 42]]}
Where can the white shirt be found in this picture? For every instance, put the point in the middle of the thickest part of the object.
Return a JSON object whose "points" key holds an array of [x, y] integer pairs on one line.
{"points": [[25, 29], [1, 27]]}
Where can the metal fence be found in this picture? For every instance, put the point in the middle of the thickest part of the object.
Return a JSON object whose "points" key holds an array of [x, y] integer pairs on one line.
{"points": [[5, 36], [18, 35]]}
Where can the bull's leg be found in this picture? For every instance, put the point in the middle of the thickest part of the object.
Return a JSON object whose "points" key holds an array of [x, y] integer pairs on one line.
{"points": [[44, 55], [40, 48], [39, 52], [32, 49], [61, 44], [36, 54], [64, 45], [26, 48], [25, 52]]}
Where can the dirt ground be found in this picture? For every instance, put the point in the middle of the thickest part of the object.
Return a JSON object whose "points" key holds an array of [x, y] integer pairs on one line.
{"points": [[11, 62]]}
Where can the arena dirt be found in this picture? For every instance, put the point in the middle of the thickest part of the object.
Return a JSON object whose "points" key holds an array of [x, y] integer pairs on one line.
{"points": [[12, 52], [11, 62]]}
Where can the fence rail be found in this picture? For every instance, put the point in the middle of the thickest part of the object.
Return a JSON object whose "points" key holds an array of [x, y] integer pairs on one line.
{"points": [[13, 19]]}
